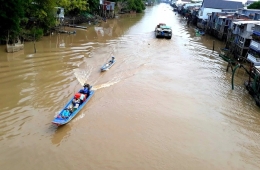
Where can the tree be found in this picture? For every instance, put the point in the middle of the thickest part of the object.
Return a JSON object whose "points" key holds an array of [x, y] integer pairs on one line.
{"points": [[93, 6], [11, 12], [74, 7], [40, 16], [133, 5], [121, 5], [255, 5], [136, 5]]}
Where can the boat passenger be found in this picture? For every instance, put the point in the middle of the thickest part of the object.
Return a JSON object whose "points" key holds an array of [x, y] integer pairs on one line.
{"points": [[66, 113], [75, 101], [75, 104], [112, 60], [70, 109], [82, 98], [86, 89]]}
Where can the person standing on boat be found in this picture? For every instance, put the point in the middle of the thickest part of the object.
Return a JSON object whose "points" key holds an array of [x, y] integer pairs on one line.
{"points": [[112, 60]]}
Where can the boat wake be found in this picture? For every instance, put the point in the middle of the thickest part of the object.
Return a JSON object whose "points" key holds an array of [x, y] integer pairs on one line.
{"points": [[104, 85], [78, 117], [82, 75]]}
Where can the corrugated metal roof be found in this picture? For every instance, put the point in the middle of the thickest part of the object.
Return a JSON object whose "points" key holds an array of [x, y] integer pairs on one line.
{"points": [[222, 4]]}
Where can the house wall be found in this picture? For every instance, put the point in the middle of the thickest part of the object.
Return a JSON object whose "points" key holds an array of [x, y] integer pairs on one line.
{"points": [[257, 28], [250, 27], [247, 12], [257, 16], [203, 13]]}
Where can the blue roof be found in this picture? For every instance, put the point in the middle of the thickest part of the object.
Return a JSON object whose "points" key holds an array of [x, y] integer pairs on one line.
{"points": [[222, 4]]}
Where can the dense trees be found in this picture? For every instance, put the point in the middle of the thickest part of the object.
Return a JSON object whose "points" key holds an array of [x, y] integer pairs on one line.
{"points": [[36, 17], [255, 5], [93, 6], [11, 14], [132, 5], [73, 7], [136, 5]]}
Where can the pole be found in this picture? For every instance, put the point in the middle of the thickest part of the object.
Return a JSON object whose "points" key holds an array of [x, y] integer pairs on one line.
{"points": [[233, 74], [34, 39], [34, 43], [213, 45]]}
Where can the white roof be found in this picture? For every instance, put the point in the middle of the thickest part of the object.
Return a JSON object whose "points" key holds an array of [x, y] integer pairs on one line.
{"points": [[247, 22]]}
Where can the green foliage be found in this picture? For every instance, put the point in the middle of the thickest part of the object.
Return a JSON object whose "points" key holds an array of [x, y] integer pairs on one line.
{"points": [[74, 7], [36, 17], [255, 5], [11, 12], [40, 14], [135, 5], [38, 32], [93, 6]]}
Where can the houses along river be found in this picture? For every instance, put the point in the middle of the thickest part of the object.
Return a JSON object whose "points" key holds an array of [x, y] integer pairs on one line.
{"points": [[165, 104]]}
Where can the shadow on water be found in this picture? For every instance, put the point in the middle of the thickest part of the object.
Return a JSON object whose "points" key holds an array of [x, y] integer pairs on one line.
{"points": [[60, 133]]}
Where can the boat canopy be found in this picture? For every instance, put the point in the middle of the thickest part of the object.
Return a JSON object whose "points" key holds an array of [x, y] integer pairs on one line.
{"points": [[165, 27]]}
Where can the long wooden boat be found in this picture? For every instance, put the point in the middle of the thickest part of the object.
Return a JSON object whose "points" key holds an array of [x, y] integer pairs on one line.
{"points": [[61, 120], [108, 65]]}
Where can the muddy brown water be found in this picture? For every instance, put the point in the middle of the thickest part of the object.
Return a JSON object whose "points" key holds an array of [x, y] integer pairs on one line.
{"points": [[165, 104]]}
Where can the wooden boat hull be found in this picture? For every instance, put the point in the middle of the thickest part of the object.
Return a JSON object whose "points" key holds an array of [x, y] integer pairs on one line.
{"points": [[58, 120]]}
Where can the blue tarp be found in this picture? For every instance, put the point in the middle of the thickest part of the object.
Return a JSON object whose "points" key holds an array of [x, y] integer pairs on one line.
{"points": [[256, 33]]}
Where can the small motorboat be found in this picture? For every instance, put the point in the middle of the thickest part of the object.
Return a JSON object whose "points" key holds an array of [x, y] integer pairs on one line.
{"points": [[68, 112], [108, 65], [199, 32]]}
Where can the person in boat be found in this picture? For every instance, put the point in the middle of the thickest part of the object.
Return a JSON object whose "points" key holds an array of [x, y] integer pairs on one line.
{"points": [[70, 109], [75, 104], [66, 113], [112, 60], [86, 89], [82, 98]]}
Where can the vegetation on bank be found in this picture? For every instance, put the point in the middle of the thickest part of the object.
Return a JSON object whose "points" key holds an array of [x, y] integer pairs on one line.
{"points": [[34, 18], [255, 5]]}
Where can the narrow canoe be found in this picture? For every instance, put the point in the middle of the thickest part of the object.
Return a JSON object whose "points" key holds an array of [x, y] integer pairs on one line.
{"points": [[59, 120], [107, 66]]}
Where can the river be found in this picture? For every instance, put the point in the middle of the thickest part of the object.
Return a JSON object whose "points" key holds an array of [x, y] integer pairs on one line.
{"points": [[165, 104]]}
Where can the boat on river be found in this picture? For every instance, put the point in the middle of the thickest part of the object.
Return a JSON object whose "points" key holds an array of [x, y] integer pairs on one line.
{"points": [[61, 119], [108, 65], [199, 32], [162, 30]]}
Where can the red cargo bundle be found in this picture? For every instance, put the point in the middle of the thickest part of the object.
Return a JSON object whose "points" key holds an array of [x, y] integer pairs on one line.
{"points": [[77, 95]]}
